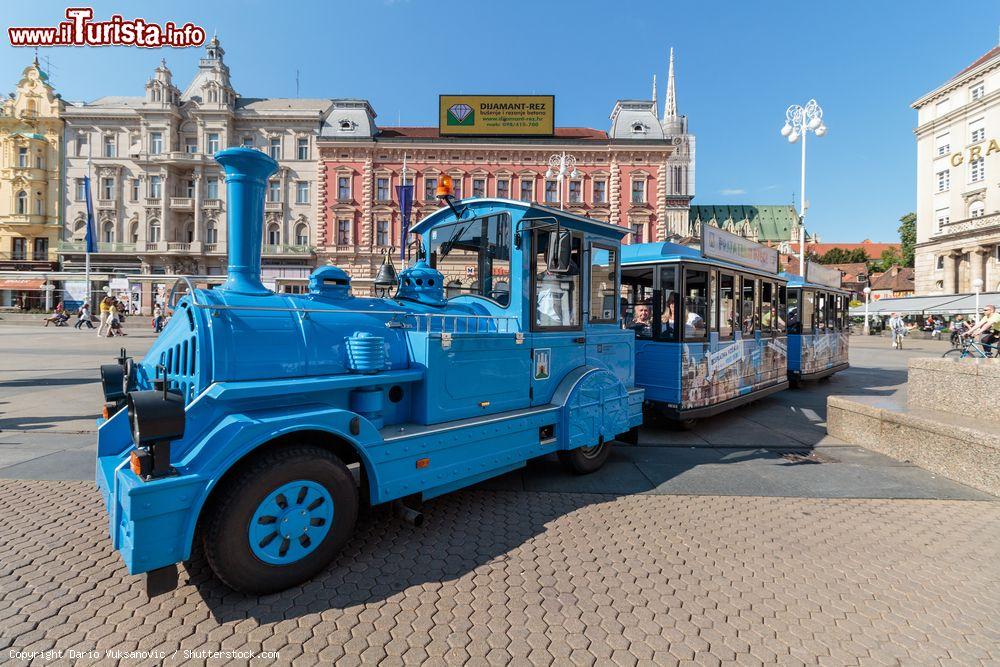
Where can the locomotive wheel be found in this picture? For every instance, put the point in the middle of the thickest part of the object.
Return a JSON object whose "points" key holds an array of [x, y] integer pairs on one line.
{"points": [[585, 460], [280, 520]]}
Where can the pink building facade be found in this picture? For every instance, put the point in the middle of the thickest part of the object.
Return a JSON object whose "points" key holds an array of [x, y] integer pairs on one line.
{"points": [[639, 174]]}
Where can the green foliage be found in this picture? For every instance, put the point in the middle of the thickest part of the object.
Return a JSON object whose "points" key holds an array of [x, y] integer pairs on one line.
{"points": [[908, 237], [890, 258], [842, 256]]}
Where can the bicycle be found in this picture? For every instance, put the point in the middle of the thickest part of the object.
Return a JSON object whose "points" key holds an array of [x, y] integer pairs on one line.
{"points": [[897, 338], [972, 348]]}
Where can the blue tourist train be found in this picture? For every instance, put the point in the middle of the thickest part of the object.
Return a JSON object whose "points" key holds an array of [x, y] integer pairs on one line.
{"points": [[709, 323], [259, 422], [818, 324]]}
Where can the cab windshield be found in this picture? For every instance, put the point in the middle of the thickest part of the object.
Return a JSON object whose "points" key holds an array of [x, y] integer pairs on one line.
{"points": [[474, 257]]}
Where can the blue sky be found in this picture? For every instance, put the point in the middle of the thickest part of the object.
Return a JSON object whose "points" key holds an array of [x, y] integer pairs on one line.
{"points": [[739, 65]]}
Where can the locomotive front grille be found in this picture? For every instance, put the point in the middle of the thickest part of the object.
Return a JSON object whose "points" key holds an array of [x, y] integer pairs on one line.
{"points": [[181, 363]]}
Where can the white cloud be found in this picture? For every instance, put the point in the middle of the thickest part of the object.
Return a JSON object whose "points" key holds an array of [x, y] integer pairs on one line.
{"points": [[732, 191]]}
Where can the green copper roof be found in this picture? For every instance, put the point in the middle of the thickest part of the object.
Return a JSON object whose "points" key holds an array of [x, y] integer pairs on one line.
{"points": [[770, 223], [30, 135]]}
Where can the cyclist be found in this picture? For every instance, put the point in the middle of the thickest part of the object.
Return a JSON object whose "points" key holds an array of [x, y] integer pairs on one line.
{"points": [[958, 327], [988, 329], [898, 328]]}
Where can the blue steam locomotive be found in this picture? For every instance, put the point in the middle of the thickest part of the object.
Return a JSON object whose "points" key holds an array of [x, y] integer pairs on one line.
{"points": [[258, 423]]}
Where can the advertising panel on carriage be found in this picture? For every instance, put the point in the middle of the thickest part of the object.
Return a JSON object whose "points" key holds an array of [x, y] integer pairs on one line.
{"points": [[820, 274], [720, 244]]}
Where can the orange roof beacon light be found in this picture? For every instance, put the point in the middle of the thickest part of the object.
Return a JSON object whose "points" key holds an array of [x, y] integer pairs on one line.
{"points": [[446, 193]]}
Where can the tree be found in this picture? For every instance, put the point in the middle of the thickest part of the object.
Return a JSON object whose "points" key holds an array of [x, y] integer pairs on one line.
{"points": [[842, 256], [890, 258], [908, 237]]}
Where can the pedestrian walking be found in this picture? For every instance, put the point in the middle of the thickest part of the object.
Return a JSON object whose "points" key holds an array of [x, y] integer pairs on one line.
{"points": [[83, 317], [105, 309], [898, 328], [157, 318]]}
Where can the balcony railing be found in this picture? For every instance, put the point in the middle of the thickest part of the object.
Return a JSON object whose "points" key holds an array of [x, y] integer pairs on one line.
{"points": [[152, 201], [211, 204], [214, 247], [288, 249], [178, 246], [182, 203], [81, 246], [970, 224], [107, 204], [273, 205]]}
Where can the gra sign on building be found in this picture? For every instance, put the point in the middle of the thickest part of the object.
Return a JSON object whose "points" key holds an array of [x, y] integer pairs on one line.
{"points": [[738, 250], [496, 115]]}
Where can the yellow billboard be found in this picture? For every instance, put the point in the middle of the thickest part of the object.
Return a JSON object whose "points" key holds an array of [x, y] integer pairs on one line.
{"points": [[496, 115]]}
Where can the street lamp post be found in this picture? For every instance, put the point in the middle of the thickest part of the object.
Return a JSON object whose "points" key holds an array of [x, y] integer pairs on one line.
{"points": [[868, 292], [977, 285], [560, 166], [800, 121]]}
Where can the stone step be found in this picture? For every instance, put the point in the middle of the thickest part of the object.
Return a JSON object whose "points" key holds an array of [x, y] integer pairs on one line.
{"points": [[955, 446], [964, 387]]}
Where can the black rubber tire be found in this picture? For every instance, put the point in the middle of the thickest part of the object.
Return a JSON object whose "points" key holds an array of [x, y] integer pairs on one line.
{"points": [[585, 460], [224, 531], [955, 353]]}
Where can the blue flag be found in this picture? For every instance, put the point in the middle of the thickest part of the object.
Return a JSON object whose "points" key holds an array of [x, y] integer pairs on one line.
{"points": [[405, 195], [91, 229]]}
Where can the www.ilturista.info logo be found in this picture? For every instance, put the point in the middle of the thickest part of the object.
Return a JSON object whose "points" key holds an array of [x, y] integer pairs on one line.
{"points": [[461, 114], [80, 30]]}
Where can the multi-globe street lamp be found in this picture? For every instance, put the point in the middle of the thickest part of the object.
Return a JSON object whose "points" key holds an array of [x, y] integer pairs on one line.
{"points": [[868, 292], [561, 165], [800, 121]]}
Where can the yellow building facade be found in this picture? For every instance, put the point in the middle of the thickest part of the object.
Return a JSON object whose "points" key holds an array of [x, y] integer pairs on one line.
{"points": [[30, 163]]}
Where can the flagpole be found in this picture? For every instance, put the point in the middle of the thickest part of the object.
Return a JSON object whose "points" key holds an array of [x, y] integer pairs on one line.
{"points": [[86, 243]]}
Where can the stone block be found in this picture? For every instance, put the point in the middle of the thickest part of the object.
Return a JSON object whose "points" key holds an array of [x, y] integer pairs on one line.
{"points": [[966, 387]]}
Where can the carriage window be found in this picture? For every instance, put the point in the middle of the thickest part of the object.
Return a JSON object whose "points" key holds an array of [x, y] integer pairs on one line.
{"points": [[779, 327], [603, 271], [728, 319], [838, 301], [695, 304], [767, 307], [794, 311], [637, 302], [713, 312], [556, 280], [668, 306], [820, 315], [474, 256], [750, 316]]}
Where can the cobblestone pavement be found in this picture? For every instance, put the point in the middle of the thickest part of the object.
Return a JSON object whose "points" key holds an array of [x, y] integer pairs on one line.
{"points": [[541, 578]]}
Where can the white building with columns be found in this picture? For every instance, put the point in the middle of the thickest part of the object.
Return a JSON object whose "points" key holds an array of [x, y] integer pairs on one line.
{"points": [[958, 181], [160, 198]]}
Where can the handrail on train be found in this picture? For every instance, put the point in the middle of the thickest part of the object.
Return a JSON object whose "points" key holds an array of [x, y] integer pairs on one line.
{"points": [[397, 320]]}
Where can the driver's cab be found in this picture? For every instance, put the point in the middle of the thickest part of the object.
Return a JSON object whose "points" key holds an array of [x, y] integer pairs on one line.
{"points": [[548, 276]]}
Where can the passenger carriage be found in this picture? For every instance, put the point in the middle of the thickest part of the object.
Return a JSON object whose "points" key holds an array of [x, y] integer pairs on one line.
{"points": [[818, 324], [258, 422], [709, 323]]}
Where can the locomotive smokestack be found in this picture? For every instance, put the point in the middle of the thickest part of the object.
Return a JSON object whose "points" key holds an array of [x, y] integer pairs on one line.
{"points": [[247, 171]]}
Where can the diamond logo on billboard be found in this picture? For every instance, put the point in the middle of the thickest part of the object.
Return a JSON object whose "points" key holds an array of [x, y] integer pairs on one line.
{"points": [[461, 114]]}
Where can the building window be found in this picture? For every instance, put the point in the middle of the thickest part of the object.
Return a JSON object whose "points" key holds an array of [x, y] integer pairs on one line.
{"points": [[39, 162], [302, 192], [977, 170], [22, 157], [479, 187], [189, 188], [943, 145], [273, 234], [382, 233], [551, 192], [977, 209], [978, 135], [154, 232], [155, 143], [978, 91], [638, 192], [943, 180], [638, 235], [154, 187], [456, 187], [213, 143], [80, 191], [107, 188], [248, 142], [274, 150], [940, 263], [575, 192], [108, 232], [503, 188], [273, 191], [344, 188], [190, 145], [41, 250], [211, 232], [22, 202], [430, 188], [212, 188], [110, 149], [382, 189], [943, 218], [18, 248], [302, 148], [134, 190], [302, 234], [527, 189], [82, 143], [600, 192], [39, 205], [344, 232]]}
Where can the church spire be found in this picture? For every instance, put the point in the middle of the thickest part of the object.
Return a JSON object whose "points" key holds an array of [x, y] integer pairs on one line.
{"points": [[670, 105], [654, 92]]}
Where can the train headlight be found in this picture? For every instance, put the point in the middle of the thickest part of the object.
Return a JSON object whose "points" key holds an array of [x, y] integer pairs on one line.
{"points": [[155, 416], [113, 382]]}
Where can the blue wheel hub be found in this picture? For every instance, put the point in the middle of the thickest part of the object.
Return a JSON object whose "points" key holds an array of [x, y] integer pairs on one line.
{"points": [[291, 522]]}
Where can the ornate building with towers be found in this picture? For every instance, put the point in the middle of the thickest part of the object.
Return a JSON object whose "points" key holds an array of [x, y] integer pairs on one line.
{"points": [[159, 197]]}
